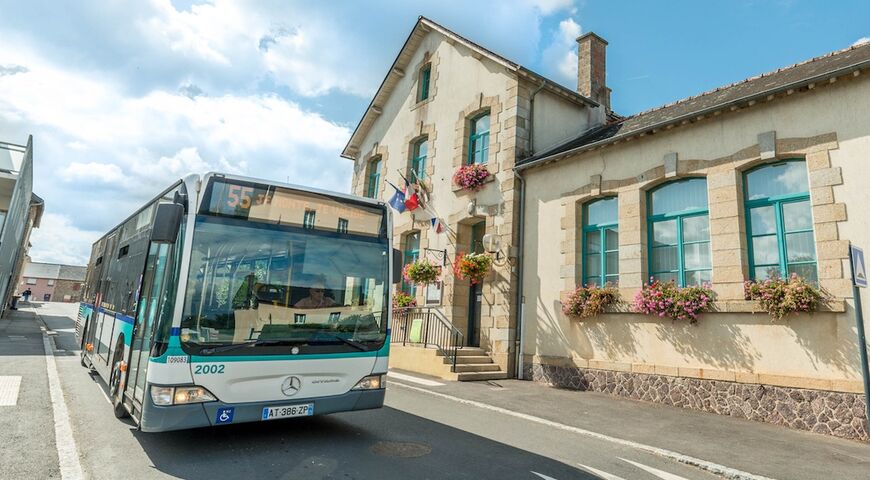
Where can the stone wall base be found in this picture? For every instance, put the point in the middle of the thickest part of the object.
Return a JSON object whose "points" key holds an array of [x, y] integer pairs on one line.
{"points": [[830, 413]]}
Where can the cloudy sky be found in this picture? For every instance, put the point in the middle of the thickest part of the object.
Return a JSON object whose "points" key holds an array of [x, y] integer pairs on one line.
{"points": [[122, 98]]}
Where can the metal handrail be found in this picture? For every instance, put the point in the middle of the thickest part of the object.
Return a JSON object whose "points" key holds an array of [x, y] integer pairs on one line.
{"points": [[434, 330]]}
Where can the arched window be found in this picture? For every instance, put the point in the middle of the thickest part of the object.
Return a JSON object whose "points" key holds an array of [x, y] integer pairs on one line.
{"points": [[779, 220], [410, 255], [679, 232], [418, 159], [374, 180], [601, 242], [478, 139]]}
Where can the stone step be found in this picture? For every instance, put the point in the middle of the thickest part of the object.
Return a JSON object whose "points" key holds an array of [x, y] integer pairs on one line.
{"points": [[470, 351], [477, 367], [475, 376], [469, 359]]}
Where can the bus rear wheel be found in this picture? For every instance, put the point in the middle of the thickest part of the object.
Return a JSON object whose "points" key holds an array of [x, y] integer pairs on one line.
{"points": [[115, 389]]}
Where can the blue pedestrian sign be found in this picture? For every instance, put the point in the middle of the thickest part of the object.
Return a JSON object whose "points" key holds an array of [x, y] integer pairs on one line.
{"points": [[859, 271]]}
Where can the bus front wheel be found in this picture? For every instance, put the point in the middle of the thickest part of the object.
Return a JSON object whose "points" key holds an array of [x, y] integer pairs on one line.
{"points": [[115, 388]]}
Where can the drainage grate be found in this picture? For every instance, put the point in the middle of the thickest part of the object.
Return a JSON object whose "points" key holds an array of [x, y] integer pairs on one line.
{"points": [[401, 449]]}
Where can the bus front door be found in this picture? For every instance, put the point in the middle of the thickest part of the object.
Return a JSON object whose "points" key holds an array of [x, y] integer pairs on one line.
{"points": [[146, 316]]}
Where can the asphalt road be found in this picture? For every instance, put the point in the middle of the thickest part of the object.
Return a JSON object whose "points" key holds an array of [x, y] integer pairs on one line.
{"points": [[416, 435]]}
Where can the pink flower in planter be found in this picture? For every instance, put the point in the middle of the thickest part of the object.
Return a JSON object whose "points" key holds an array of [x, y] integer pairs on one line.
{"points": [[471, 177]]}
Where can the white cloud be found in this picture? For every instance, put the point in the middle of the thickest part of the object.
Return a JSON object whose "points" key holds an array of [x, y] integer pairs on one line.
{"points": [[58, 240], [122, 99], [548, 7], [861, 41], [561, 54], [100, 151]]}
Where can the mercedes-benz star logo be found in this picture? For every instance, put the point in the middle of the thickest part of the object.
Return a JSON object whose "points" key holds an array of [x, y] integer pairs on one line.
{"points": [[291, 386]]}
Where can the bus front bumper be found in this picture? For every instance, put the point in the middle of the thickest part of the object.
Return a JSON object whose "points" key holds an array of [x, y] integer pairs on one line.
{"points": [[177, 417]]}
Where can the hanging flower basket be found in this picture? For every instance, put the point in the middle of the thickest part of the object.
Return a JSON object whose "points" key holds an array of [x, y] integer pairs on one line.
{"points": [[471, 177], [780, 297], [472, 266], [666, 299], [402, 300], [422, 272], [589, 301]]}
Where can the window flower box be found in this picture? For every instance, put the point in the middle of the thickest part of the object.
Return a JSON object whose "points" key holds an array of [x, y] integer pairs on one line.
{"points": [[471, 177], [782, 297], [666, 299], [589, 301]]}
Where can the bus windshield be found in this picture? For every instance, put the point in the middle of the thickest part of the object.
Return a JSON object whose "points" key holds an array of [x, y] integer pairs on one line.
{"points": [[259, 288]]}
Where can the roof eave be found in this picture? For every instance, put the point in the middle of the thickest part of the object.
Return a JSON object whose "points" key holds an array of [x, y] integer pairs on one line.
{"points": [[693, 115]]}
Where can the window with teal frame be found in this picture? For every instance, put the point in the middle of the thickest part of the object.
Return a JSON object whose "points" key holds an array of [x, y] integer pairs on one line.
{"points": [[779, 221], [410, 255], [425, 74], [679, 232], [374, 180], [601, 242], [478, 140], [418, 159]]}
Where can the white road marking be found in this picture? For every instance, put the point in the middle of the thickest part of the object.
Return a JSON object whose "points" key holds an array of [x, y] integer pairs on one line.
{"points": [[9, 386], [604, 475], [17, 338], [655, 471], [715, 468], [545, 477], [67, 453], [65, 330], [409, 378]]}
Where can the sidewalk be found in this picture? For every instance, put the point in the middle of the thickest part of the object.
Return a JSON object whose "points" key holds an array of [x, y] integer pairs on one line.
{"points": [[26, 419], [755, 447]]}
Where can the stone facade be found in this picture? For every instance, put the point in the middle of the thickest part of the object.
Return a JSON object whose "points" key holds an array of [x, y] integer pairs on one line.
{"points": [[818, 411], [465, 81]]}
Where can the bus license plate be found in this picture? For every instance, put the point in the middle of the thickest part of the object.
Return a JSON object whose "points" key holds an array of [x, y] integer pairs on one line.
{"points": [[287, 411]]}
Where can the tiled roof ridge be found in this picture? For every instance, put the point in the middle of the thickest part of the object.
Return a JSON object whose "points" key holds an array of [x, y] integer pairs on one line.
{"points": [[745, 80]]}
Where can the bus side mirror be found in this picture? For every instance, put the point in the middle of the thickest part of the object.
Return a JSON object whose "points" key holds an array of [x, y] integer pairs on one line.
{"points": [[167, 221], [397, 265]]}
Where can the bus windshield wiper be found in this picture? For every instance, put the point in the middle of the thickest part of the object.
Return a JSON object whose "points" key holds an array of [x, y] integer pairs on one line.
{"points": [[250, 343], [336, 336]]}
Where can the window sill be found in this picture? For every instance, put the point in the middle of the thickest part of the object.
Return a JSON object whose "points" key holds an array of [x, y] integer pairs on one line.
{"points": [[422, 102], [491, 178], [837, 305]]}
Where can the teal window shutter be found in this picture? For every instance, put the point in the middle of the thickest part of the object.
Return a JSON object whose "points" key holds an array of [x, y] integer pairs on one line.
{"points": [[779, 221], [600, 250], [478, 140], [423, 91], [679, 232], [418, 159], [374, 180]]}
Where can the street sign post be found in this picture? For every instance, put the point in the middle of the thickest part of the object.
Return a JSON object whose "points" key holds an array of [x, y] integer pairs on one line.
{"points": [[859, 281]]}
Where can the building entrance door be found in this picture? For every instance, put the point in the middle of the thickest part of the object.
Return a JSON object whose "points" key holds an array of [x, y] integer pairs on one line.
{"points": [[475, 290]]}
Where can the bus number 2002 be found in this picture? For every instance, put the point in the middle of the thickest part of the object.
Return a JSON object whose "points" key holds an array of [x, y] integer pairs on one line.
{"points": [[204, 369]]}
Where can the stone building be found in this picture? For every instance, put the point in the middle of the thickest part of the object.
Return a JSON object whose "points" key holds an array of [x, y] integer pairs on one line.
{"points": [[756, 179], [447, 102], [20, 212], [52, 282]]}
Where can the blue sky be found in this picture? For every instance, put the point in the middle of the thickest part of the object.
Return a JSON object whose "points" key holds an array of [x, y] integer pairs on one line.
{"points": [[122, 98]]}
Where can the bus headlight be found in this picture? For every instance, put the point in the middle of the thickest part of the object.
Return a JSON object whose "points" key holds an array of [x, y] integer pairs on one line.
{"points": [[372, 382], [165, 396]]}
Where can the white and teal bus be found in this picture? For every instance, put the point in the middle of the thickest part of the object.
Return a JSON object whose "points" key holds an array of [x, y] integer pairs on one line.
{"points": [[228, 299]]}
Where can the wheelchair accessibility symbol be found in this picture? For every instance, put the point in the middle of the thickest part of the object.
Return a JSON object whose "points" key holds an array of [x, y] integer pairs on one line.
{"points": [[224, 415]]}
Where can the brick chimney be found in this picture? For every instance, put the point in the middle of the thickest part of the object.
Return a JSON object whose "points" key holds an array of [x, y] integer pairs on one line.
{"points": [[592, 55]]}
